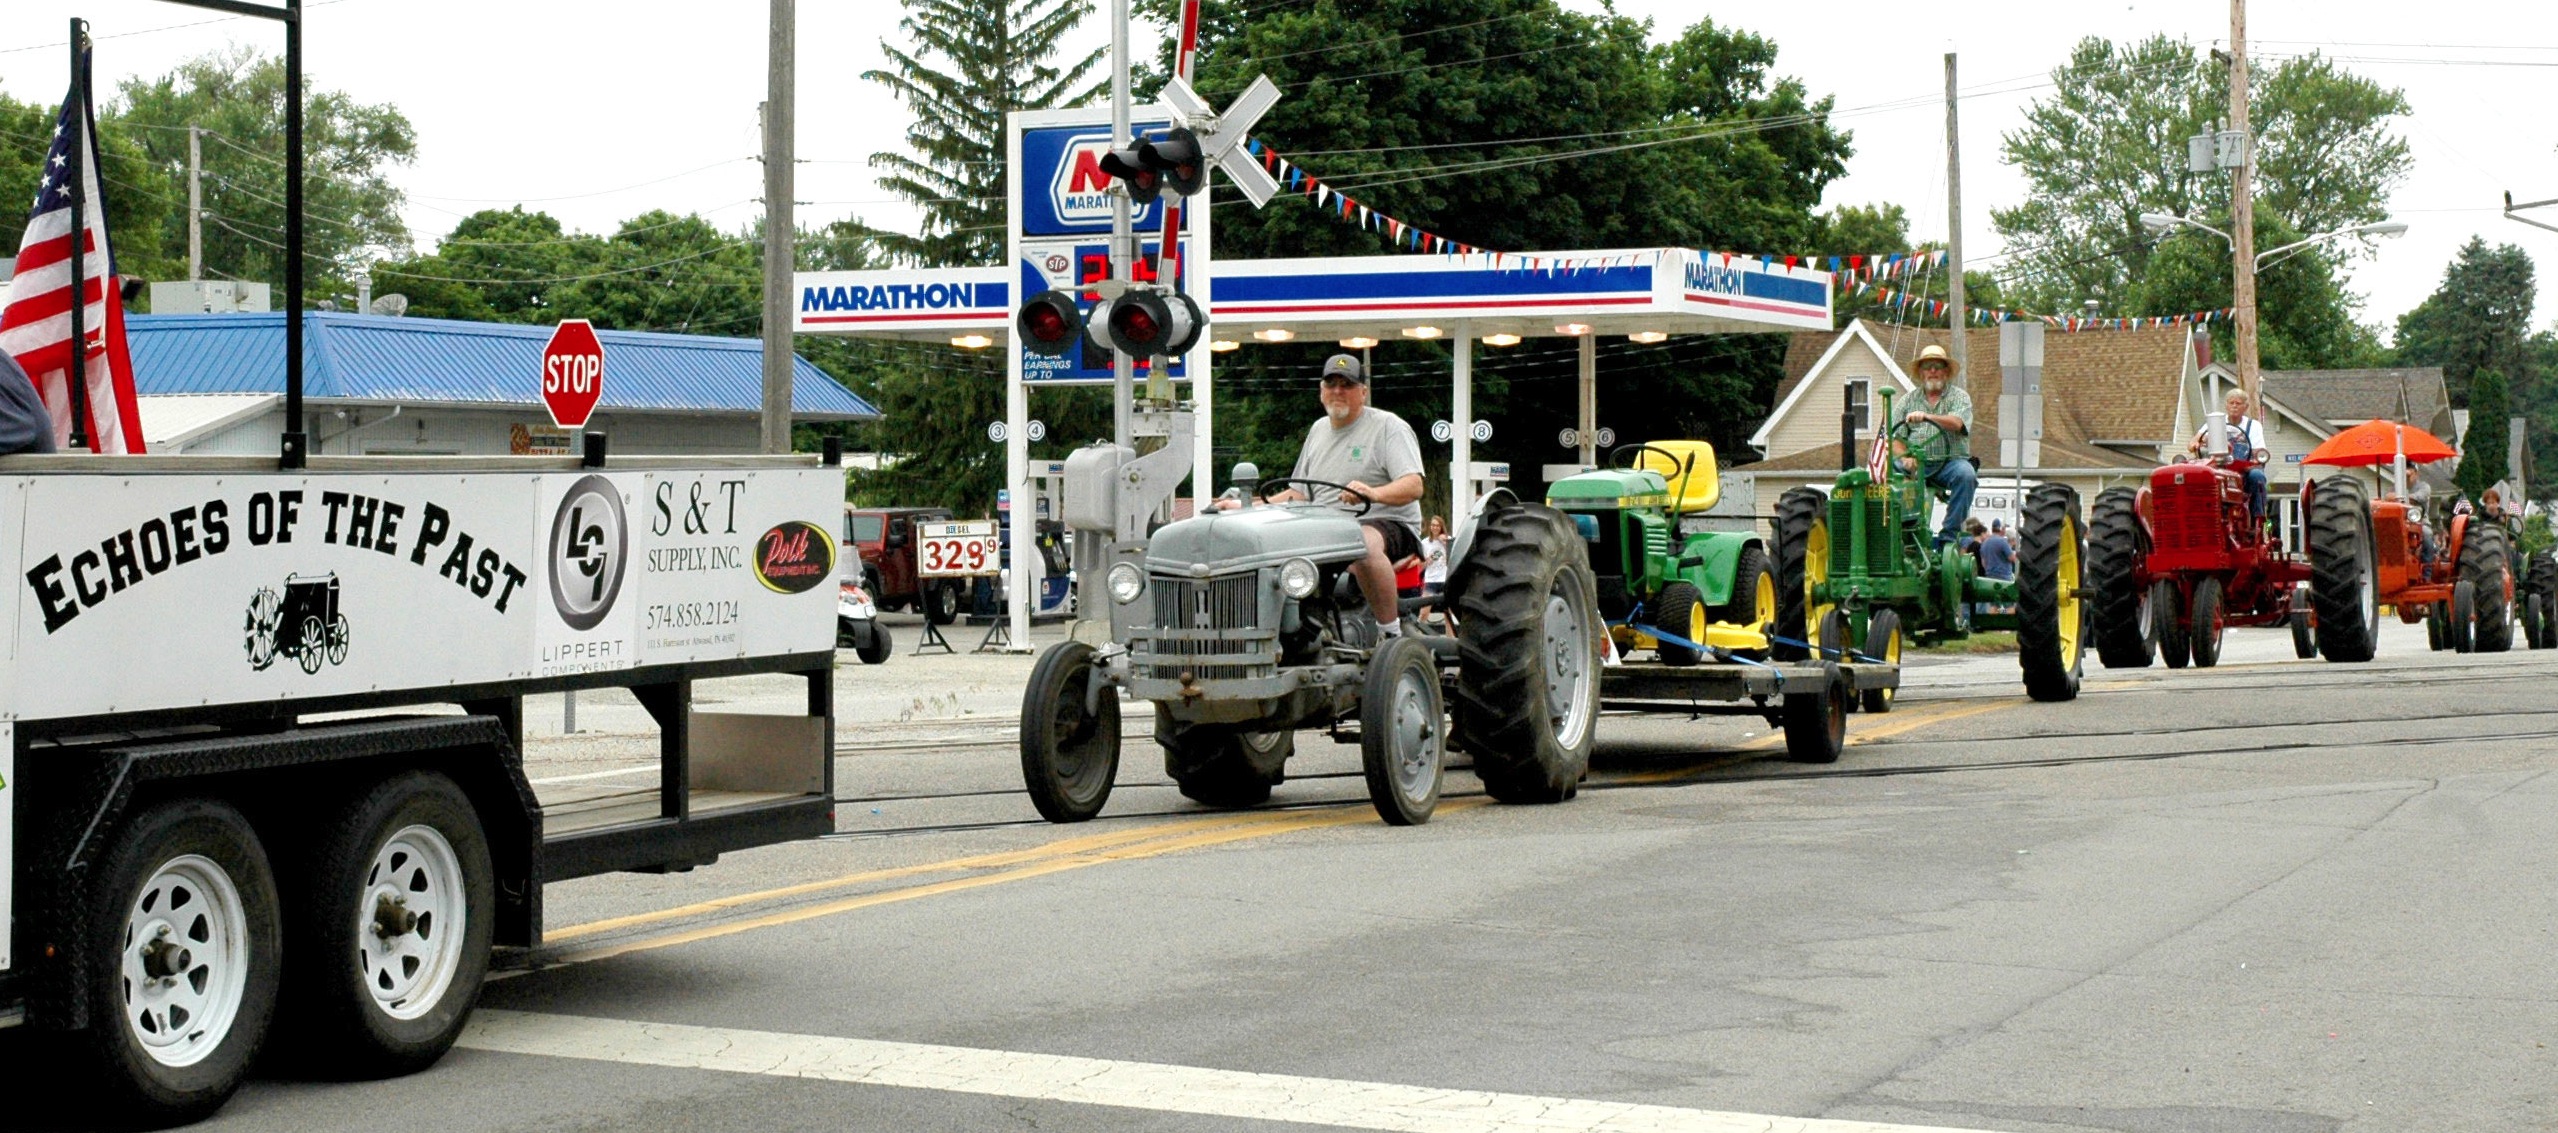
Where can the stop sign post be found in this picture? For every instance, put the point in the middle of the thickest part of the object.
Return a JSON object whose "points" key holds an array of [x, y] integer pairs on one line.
{"points": [[572, 373]]}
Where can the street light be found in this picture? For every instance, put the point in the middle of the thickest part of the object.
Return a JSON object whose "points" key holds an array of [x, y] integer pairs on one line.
{"points": [[2162, 222]]}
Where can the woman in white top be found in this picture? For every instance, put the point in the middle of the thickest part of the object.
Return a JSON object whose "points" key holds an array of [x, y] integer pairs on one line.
{"points": [[1434, 564]]}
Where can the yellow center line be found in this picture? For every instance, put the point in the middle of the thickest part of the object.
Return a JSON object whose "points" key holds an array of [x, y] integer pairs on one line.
{"points": [[1903, 721], [1283, 822], [1063, 846]]}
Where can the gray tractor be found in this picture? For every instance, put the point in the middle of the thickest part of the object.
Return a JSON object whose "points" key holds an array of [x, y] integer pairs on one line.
{"points": [[1244, 626]]}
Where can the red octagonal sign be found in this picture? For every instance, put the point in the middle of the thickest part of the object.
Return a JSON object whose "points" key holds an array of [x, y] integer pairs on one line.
{"points": [[572, 373]]}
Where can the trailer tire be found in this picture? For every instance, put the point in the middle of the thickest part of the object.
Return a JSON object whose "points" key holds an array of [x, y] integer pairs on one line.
{"points": [[2210, 621], [1680, 610], [2116, 545], [2484, 562], [1220, 766], [2050, 631], [2168, 616], [1528, 648], [194, 868], [1802, 560], [2342, 577], [1816, 721], [1069, 757], [395, 906]]}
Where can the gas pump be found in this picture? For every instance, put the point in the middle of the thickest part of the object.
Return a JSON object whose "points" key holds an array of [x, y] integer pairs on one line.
{"points": [[1050, 571]]}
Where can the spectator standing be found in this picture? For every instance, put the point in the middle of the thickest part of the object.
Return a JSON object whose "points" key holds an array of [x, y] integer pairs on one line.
{"points": [[1434, 565]]}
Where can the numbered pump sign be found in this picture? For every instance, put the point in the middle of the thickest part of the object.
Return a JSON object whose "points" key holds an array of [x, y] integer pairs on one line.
{"points": [[957, 550]]}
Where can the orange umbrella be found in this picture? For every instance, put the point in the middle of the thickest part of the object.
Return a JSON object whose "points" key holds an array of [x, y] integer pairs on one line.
{"points": [[2378, 442]]}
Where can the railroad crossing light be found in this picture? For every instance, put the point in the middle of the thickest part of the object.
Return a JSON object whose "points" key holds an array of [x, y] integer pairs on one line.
{"points": [[1129, 167], [1049, 323], [1146, 324], [1175, 155]]}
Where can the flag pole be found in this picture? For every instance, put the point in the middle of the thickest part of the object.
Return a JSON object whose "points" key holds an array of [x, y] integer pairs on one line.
{"points": [[75, 378]]}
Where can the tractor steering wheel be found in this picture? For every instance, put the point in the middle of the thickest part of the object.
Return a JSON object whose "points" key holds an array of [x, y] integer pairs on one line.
{"points": [[1682, 466], [1263, 493], [1936, 451]]}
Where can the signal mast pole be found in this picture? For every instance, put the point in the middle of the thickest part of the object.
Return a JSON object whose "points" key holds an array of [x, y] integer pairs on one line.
{"points": [[1123, 238]]}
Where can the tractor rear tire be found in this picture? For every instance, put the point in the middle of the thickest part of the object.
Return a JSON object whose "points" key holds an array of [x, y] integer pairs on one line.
{"points": [[2121, 607], [1528, 654], [2175, 631], [1800, 515], [1816, 721], [2484, 561], [2459, 631], [2050, 628], [1883, 644], [2342, 577], [2542, 580], [1680, 610], [2209, 620], [1751, 572], [1223, 767]]}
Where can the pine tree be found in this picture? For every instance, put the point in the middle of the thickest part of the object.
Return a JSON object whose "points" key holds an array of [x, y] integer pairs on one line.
{"points": [[2484, 449]]}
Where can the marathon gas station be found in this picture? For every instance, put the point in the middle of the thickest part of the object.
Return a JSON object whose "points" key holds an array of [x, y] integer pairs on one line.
{"points": [[1060, 224]]}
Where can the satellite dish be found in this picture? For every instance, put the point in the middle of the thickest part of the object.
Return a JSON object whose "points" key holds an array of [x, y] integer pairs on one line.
{"points": [[393, 304]]}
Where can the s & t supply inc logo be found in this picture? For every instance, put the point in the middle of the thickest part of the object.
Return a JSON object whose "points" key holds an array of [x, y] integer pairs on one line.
{"points": [[590, 544]]}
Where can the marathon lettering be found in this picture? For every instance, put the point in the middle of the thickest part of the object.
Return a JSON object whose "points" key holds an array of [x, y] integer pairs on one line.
{"points": [[1714, 279], [889, 297], [66, 584]]}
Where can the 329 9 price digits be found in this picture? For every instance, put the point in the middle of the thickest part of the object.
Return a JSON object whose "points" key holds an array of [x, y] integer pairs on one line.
{"points": [[964, 555]]}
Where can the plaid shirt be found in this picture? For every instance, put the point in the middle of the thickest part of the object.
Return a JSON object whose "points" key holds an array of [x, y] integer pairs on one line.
{"points": [[1956, 404]]}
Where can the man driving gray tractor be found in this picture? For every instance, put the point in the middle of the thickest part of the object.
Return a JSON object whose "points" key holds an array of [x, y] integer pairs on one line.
{"points": [[1373, 455]]}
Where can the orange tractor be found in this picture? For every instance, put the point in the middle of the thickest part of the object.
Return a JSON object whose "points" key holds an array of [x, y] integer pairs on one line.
{"points": [[2365, 554]]}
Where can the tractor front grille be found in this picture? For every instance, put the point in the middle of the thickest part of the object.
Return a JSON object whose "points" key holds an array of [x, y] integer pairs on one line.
{"points": [[1882, 551], [2186, 516], [1207, 659], [1233, 602]]}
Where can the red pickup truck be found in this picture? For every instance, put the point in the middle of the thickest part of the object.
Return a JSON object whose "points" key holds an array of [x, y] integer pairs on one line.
{"points": [[885, 538]]}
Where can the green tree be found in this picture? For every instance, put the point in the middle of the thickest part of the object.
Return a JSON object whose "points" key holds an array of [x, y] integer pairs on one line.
{"points": [[2484, 448], [2109, 145], [137, 193], [350, 208], [2478, 319], [2305, 317], [1519, 125]]}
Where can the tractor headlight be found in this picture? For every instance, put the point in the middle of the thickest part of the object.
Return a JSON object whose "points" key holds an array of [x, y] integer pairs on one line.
{"points": [[1126, 583], [1297, 578]]}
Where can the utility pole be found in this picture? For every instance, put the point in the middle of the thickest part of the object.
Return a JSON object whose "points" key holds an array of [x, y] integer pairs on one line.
{"points": [[2242, 214], [778, 189], [195, 204], [1958, 321]]}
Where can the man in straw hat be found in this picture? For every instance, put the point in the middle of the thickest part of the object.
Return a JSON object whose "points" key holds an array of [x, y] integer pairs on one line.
{"points": [[1942, 411]]}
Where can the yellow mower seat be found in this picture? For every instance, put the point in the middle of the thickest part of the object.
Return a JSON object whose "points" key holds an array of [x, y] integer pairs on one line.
{"points": [[1692, 489]]}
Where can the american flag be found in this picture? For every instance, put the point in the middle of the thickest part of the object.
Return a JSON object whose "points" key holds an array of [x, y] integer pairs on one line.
{"points": [[1879, 459], [35, 327]]}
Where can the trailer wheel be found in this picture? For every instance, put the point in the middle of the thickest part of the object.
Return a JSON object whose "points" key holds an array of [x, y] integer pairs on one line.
{"points": [[1528, 640], [1802, 562], [1403, 734], [2175, 631], [2458, 631], [1753, 601], [2210, 619], [1221, 766], [1680, 610], [394, 908], [2050, 633], [2342, 581], [2484, 562], [2121, 606], [1882, 643], [1816, 720], [186, 943], [1069, 756]]}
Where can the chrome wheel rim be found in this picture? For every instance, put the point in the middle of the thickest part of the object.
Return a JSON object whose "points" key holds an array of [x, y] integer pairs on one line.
{"points": [[1571, 681], [185, 961], [410, 919]]}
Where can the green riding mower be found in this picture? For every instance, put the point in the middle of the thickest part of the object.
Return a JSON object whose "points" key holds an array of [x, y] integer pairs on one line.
{"points": [[1711, 591], [1858, 571]]}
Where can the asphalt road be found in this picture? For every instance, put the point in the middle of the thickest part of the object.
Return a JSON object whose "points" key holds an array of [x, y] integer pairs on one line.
{"points": [[2274, 896]]}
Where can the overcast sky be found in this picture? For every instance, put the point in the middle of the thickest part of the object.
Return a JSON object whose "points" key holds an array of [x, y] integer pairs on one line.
{"points": [[595, 111]]}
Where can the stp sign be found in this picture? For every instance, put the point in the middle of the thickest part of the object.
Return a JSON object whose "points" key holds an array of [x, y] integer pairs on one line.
{"points": [[572, 373]]}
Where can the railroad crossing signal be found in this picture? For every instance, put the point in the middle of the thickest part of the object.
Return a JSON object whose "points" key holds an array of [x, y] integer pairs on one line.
{"points": [[1146, 324], [1049, 323], [1219, 138]]}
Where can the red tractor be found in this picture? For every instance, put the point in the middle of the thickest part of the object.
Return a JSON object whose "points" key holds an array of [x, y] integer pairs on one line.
{"points": [[2174, 564], [2365, 554]]}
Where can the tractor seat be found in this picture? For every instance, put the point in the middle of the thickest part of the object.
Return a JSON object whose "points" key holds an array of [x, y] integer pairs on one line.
{"points": [[1693, 486]]}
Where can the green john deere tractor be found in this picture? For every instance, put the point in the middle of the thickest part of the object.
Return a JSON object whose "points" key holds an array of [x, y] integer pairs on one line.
{"points": [[1858, 571], [1711, 592]]}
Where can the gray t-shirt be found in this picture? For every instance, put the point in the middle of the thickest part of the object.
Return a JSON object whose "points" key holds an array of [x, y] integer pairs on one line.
{"points": [[1376, 450]]}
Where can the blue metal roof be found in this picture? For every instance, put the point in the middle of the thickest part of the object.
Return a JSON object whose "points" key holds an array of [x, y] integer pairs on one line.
{"points": [[379, 358]]}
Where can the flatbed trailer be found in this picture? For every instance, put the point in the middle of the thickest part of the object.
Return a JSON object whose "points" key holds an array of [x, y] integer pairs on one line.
{"points": [[261, 734], [1809, 699]]}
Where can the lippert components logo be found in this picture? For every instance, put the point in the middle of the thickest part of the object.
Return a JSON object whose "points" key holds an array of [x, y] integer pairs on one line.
{"points": [[590, 546], [794, 557]]}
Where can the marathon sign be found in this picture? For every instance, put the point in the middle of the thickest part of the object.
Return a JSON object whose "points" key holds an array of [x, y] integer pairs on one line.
{"points": [[943, 301], [1064, 191]]}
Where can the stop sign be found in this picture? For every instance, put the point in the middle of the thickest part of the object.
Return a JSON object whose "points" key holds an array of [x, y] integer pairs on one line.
{"points": [[572, 373]]}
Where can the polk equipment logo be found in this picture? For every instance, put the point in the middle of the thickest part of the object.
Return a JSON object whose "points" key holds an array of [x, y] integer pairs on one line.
{"points": [[794, 557], [590, 545]]}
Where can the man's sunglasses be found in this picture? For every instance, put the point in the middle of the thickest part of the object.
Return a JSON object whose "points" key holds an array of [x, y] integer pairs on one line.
{"points": [[1338, 383]]}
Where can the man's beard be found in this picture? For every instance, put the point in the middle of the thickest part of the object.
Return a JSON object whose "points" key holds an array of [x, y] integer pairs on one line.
{"points": [[1340, 414]]}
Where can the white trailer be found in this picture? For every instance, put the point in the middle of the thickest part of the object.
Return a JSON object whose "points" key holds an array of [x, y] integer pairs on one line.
{"points": [[261, 727]]}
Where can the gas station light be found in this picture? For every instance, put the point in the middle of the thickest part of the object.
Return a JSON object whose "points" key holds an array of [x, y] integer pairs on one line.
{"points": [[1421, 332], [1357, 342], [1574, 329], [1275, 334], [1648, 336], [1501, 340], [1223, 345], [972, 342]]}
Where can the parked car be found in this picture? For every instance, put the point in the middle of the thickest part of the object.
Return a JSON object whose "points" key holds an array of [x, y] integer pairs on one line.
{"points": [[884, 538]]}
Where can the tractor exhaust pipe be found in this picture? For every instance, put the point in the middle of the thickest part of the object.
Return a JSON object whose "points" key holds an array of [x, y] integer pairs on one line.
{"points": [[1851, 408]]}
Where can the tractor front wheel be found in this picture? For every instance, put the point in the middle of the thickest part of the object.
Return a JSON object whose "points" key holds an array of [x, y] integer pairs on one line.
{"points": [[1069, 735], [2541, 581], [1680, 610], [2459, 631], [2209, 621], [1802, 562], [2304, 638], [2167, 611], [2342, 581], [1882, 643], [2483, 563], [2049, 628], [1528, 640], [2120, 605]]}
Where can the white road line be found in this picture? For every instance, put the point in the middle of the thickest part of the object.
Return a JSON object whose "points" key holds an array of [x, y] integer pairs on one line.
{"points": [[614, 773], [1096, 1081]]}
